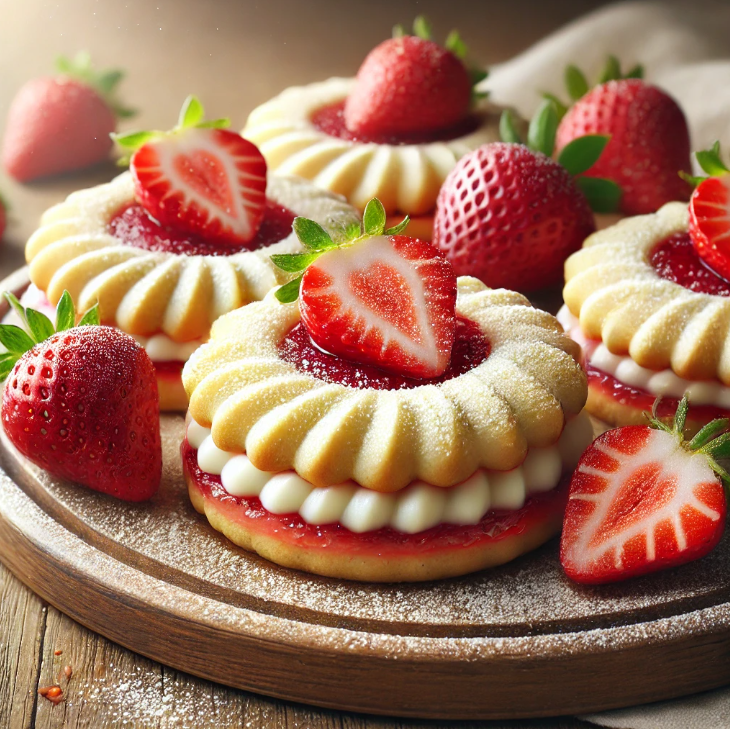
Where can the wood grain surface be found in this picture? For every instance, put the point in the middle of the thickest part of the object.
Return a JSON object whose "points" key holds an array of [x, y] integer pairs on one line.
{"points": [[234, 55]]}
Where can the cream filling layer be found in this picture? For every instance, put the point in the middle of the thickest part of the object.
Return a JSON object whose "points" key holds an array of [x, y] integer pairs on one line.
{"points": [[628, 372], [416, 508], [159, 347]]}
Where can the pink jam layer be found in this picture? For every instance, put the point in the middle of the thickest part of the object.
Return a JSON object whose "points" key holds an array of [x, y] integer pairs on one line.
{"points": [[291, 528], [132, 225], [676, 259], [643, 400], [297, 348], [331, 121], [170, 369]]}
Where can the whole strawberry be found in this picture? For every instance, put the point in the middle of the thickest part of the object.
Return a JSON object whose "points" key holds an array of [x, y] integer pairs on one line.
{"points": [[411, 84], [644, 499], [82, 402], [649, 141], [61, 123]]}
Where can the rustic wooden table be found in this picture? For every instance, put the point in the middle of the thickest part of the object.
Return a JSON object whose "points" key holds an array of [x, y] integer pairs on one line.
{"points": [[234, 55]]}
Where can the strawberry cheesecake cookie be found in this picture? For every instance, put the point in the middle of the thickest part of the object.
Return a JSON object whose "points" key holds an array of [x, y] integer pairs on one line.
{"points": [[393, 424], [179, 240], [649, 301], [394, 132]]}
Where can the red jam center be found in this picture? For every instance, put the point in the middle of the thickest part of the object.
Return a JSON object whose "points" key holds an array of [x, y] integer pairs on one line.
{"points": [[643, 400], [331, 120], [470, 349], [132, 225], [676, 259]]}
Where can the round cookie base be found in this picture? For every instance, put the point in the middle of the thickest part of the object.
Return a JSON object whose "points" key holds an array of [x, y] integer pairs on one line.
{"points": [[419, 567], [173, 397], [615, 413]]}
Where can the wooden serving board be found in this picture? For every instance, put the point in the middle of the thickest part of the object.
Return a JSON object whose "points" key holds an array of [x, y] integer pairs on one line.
{"points": [[517, 641]]}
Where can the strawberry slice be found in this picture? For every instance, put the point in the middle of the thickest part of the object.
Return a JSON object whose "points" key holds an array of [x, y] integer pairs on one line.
{"points": [[709, 226], [643, 499], [199, 178], [377, 298]]}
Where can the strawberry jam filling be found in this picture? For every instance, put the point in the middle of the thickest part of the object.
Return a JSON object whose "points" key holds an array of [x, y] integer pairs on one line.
{"points": [[643, 400], [470, 349], [331, 121], [387, 542], [132, 225], [676, 259], [169, 370]]}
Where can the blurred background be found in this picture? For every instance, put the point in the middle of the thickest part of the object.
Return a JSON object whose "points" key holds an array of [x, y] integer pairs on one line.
{"points": [[234, 54]]}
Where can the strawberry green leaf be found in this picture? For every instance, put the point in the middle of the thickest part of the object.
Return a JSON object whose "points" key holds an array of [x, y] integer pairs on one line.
{"points": [[399, 31], [582, 153], [12, 299], [718, 448], [14, 339], [611, 71], [39, 324], [7, 362], [477, 75], [191, 114], [373, 220], [399, 228], [456, 45], [294, 262], [312, 235], [694, 181], [352, 230], [708, 432], [636, 72], [560, 108], [91, 317], [543, 127], [65, 313], [576, 82], [422, 28], [289, 292], [603, 196], [134, 140], [221, 123], [108, 80], [711, 162], [507, 129], [680, 416]]}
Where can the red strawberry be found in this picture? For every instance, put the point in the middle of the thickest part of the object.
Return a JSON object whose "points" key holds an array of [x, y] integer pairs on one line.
{"points": [[510, 216], [62, 123], [82, 403], [380, 298], [643, 499], [649, 141], [410, 84], [709, 212], [199, 178]]}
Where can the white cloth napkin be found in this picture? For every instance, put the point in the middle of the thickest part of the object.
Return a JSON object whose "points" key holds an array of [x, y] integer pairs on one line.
{"points": [[685, 48]]}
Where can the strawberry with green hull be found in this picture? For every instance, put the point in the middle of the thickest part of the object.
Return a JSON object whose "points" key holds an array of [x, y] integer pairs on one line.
{"points": [[376, 297], [82, 402], [709, 211], [62, 123], [649, 138], [410, 84], [199, 178], [510, 215], [643, 499]]}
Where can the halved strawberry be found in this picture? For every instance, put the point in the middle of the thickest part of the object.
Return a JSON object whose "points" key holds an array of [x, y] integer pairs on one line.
{"points": [[377, 298], [643, 499], [200, 178], [709, 212]]}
